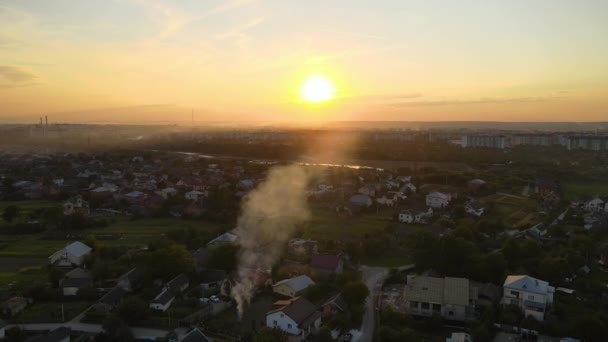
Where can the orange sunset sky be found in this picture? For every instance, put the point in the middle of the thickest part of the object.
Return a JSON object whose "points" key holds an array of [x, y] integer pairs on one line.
{"points": [[152, 61]]}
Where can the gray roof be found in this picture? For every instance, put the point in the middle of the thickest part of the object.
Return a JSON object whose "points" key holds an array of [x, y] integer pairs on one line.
{"points": [[360, 199], [195, 335], [79, 273], [77, 282], [132, 275], [337, 301], [298, 309], [178, 281], [226, 237], [113, 296], [165, 296], [298, 283], [77, 249]]}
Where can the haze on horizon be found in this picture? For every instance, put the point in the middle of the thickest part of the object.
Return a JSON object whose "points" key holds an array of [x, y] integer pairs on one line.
{"points": [[390, 60]]}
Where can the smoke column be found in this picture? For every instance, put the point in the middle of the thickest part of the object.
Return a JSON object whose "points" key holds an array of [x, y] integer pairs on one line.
{"points": [[268, 217]]}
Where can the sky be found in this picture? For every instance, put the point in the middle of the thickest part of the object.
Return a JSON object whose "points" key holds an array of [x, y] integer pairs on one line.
{"points": [[149, 61]]}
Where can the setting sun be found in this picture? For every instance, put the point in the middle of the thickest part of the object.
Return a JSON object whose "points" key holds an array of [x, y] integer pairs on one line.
{"points": [[316, 89]]}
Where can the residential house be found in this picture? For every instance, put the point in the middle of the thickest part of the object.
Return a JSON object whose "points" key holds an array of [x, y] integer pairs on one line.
{"points": [[75, 280], [200, 258], [459, 337], [360, 200], [212, 279], [533, 296], [166, 297], [537, 231], [368, 190], [476, 184], [450, 298], [326, 265], [194, 195], [75, 204], [60, 334], [295, 316], [13, 305], [129, 281], [437, 200], [227, 238], [303, 247], [71, 255], [596, 204], [416, 215], [245, 184], [387, 199], [136, 198], [334, 305], [196, 208], [293, 286], [110, 300], [549, 191], [473, 207], [167, 192], [195, 335]]}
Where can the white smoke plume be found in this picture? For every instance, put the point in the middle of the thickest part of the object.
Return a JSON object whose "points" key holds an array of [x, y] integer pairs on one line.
{"points": [[269, 216]]}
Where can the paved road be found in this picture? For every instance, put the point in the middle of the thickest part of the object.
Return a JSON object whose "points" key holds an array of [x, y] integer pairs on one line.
{"points": [[90, 328], [373, 278]]}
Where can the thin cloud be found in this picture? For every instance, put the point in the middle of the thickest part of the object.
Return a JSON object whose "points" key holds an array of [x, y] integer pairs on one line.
{"points": [[12, 77], [239, 31], [482, 101], [173, 19]]}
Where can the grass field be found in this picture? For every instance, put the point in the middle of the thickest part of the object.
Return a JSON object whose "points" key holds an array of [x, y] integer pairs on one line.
{"points": [[9, 265], [49, 312], [24, 277], [514, 211], [574, 191], [135, 233], [327, 225]]}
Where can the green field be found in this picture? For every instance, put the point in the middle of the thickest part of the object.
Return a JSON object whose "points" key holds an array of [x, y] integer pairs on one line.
{"points": [[24, 277], [514, 211], [49, 312], [28, 207], [23, 257], [574, 191], [134, 233], [325, 224]]}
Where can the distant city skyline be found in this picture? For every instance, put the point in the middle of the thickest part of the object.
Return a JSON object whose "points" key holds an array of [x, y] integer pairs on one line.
{"points": [[244, 60]]}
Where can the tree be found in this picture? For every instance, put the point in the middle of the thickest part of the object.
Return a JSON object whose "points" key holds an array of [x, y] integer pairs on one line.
{"points": [[355, 293], [224, 257], [266, 334], [14, 334], [116, 330], [10, 213], [53, 216], [324, 335], [168, 262], [8, 185], [133, 310], [75, 221]]}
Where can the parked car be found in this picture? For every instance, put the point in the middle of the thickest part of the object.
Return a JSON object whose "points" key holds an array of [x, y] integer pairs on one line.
{"points": [[214, 299], [204, 300]]}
